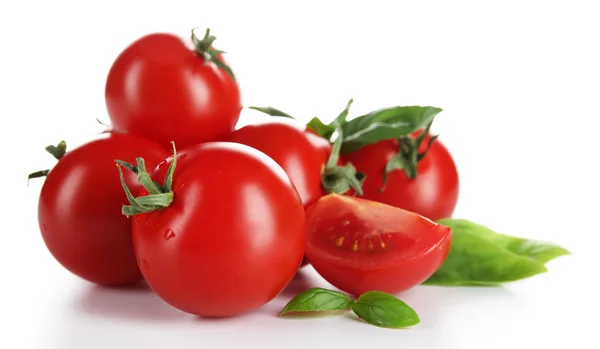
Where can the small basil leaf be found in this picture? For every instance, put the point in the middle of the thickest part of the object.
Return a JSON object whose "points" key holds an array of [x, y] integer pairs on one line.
{"points": [[323, 130], [318, 299], [272, 111], [384, 310], [385, 124], [479, 256]]}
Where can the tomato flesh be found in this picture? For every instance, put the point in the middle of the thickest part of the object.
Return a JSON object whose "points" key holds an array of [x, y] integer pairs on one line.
{"points": [[233, 237], [360, 245]]}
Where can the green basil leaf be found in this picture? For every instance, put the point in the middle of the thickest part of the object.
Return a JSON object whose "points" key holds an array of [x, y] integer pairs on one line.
{"points": [[540, 251], [385, 124], [323, 130], [272, 111], [318, 299], [480, 256], [384, 310]]}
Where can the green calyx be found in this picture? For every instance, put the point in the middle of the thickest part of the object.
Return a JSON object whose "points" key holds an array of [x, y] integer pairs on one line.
{"points": [[58, 151], [159, 197], [334, 178], [397, 122], [339, 179], [408, 155], [204, 49]]}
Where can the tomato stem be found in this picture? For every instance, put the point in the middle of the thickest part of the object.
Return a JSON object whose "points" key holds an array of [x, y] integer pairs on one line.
{"points": [[160, 196], [58, 151], [408, 155], [205, 50], [339, 179]]}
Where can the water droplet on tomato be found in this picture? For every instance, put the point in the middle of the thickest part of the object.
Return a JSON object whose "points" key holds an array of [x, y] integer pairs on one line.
{"points": [[143, 264], [169, 234], [147, 223]]}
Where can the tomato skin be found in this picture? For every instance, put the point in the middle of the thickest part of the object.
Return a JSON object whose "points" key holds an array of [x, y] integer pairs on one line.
{"points": [[160, 88], [302, 154], [298, 150], [360, 245], [233, 237], [433, 193], [79, 209]]}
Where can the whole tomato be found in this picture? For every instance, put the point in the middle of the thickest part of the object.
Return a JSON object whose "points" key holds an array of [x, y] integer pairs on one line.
{"points": [[360, 245], [428, 186], [79, 209], [166, 89], [223, 233]]}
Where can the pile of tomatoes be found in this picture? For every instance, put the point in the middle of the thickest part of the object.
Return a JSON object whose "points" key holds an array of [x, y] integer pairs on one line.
{"points": [[218, 220]]}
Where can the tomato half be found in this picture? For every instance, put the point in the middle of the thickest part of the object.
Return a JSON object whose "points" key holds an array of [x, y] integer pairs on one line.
{"points": [[434, 191], [300, 152], [359, 245], [232, 238], [79, 209], [161, 88]]}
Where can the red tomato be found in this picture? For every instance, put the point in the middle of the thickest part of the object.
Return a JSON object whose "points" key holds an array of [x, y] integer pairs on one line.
{"points": [[232, 238], [160, 88], [79, 209], [359, 245], [300, 152], [434, 191]]}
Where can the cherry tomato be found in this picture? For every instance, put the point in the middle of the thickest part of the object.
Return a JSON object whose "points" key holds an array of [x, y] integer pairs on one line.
{"points": [[300, 152], [360, 245], [433, 193], [233, 236], [163, 89], [79, 209]]}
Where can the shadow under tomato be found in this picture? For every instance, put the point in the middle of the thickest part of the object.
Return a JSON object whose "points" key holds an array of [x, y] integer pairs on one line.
{"points": [[135, 302]]}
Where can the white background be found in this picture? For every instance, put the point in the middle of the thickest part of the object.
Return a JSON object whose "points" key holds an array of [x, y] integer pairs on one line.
{"points": [[519, 85]]}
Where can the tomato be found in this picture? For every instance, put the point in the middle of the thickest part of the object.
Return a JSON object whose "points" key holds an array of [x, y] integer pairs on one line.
{"points": [[300, 152], [79, 209], [163, 89], [360, 245], [434, 191], [233, 236]]}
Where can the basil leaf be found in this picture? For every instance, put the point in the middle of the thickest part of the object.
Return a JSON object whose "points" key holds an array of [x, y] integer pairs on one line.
{"points": [[272, 111], [323, 130], [540, 251], [384, 310], [385, 124], [480, 256], [318, 299]]}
